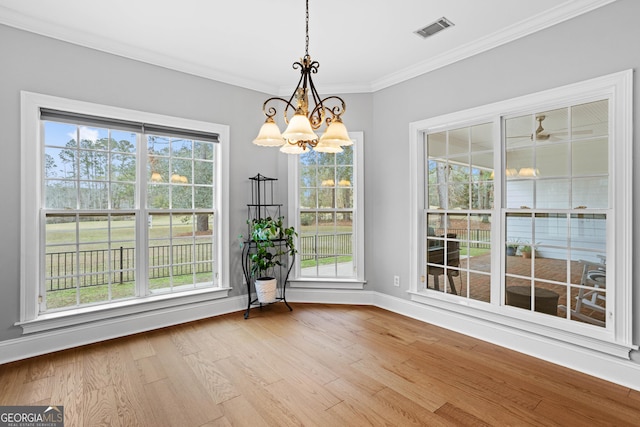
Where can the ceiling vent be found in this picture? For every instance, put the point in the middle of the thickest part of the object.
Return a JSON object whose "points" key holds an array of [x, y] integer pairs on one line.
{"points": [[435, 27]]}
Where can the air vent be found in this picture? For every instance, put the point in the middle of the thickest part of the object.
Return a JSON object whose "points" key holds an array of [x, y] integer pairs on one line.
{"points": [[435, 27]]}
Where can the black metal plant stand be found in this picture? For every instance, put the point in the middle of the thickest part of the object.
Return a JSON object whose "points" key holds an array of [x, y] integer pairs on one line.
{"points": [[262, 206]]}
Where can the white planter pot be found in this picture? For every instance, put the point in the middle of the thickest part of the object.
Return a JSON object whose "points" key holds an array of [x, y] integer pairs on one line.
{"points": [[266, 289]]}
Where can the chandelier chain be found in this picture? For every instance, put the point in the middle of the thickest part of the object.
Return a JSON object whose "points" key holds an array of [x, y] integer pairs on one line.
{"points": [[307, 31]]}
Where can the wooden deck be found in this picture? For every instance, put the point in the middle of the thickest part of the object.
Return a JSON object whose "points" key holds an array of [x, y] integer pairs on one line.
{"points": [[478, 286]]}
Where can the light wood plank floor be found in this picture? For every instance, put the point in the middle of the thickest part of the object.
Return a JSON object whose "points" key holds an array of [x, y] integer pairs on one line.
{"points": [[320, 365]]}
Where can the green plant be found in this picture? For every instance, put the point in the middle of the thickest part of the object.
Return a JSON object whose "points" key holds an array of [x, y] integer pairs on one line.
{"points": [[265, 232], [527, 249]]}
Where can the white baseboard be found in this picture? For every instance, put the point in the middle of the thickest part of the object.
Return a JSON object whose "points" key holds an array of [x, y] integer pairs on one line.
{"points": [[331, 296], [60, 339], [610, 368]]}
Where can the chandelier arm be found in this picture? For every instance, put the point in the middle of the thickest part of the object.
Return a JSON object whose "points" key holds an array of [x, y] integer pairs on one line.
{"points": [[313, 66], [317, 115], [297, 64], [271, 111], [337, 110]]}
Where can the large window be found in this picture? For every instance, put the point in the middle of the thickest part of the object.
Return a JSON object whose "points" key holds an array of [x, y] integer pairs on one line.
{"points": [[521, 212], [557, 204], [124, 209], [327, 197]]}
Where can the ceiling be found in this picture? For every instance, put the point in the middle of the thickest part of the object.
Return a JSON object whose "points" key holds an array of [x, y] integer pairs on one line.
{"points": [[361, 45]]}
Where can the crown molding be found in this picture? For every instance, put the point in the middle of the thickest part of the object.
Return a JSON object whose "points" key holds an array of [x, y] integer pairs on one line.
{"points": [[80, 38], [546, 19], [541, 21]]}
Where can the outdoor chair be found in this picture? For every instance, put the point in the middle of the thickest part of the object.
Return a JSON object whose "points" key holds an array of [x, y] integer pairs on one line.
{"points": [[436, 255], [592, 297]]}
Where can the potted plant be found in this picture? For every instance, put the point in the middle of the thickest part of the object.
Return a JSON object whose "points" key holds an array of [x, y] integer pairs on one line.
{"points": [[526, 251], [265, 232], [512, 247]]}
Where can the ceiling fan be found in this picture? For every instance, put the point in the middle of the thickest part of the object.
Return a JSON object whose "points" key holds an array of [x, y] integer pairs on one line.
{"points": [[539, 131], [541, 135]]}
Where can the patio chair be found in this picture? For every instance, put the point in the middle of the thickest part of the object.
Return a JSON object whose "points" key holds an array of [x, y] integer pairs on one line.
{"points": [[594, 276], [436, 255]]}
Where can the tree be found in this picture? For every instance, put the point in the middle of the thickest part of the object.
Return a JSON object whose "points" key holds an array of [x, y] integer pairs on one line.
{"points": [[106, 169], [192, 176]]}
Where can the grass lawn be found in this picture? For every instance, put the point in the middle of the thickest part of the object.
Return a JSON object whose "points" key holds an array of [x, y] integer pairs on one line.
{"points": [[325, 261], [94, 234], [464, 251], [100, 293]]}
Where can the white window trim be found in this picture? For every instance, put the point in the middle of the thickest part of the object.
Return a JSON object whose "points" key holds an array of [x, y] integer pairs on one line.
{"points": [[30, 241], [358, 281], [616, 339]]}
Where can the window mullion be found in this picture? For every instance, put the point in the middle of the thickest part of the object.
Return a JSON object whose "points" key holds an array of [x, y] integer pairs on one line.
{"points": [[77, 257], [142, 215], [498, 237], [41, 304]]}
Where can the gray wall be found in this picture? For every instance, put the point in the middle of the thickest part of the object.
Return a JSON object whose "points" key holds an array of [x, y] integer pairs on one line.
{"points": [[598, 43], [39, 64]]}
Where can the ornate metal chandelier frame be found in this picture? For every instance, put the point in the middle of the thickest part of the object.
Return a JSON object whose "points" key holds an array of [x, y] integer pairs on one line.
{"points": [[321, 112]]}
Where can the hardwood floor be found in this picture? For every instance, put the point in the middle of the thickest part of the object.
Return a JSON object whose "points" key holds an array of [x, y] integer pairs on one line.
{"points": [[320, 365]]}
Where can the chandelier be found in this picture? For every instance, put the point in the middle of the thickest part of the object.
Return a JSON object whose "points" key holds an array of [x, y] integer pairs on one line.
{"points": [[302, 122]]}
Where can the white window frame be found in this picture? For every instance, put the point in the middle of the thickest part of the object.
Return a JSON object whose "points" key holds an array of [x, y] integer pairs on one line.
{"points": [[32, 242], [358, 280], [616, 338]]}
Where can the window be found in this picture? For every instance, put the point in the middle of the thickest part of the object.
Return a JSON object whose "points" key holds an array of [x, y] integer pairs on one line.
{"points": [[126, 208], [326, 204], [459, 212], [521, 214], [556, 210]]}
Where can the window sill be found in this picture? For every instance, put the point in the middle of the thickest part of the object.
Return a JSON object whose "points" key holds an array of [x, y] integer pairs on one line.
{"points": [[79, 316], [327, 283]]}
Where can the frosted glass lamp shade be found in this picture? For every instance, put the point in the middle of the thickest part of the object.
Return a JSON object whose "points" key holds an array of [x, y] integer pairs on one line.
{"points": [[528, 172], [299, 129], [179, 179], [269, 135], [328, 146], [291, 149], [337, 133]]}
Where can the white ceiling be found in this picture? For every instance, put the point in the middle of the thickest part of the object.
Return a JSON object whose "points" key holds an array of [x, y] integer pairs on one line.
{"points": [[361, 45]]}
